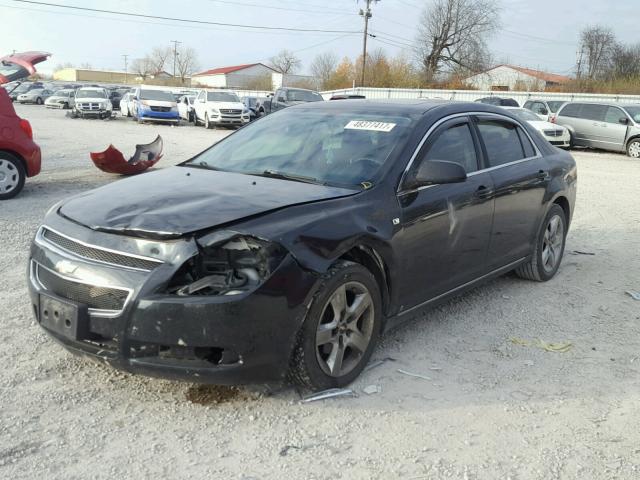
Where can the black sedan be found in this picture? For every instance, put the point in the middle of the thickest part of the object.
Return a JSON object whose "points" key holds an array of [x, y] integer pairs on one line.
{"points": [[286, 249]]}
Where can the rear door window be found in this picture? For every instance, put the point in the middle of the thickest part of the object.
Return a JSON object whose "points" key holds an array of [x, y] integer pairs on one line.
{"points": [[501, 141], [593, 112]]}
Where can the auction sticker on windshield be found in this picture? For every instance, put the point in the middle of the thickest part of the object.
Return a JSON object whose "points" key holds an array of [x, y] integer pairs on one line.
{"points": [[367, 125]]}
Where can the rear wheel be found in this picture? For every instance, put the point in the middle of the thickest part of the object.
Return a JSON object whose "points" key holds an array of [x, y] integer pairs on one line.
{"points": [[12, 176], [549, 248], [341, 329], [633, 148], [38, 101]]}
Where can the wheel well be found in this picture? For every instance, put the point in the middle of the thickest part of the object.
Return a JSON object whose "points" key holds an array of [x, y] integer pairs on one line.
{"points": [[18, 156], [372, 261], [564, 204], [636, 137]]}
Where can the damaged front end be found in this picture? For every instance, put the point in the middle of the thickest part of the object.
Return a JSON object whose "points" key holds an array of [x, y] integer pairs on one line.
{"points": [[111, 160], [227, 266]]}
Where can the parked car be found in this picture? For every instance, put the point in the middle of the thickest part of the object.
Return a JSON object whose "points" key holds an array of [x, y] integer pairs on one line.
{"points": [[61, 99], [219, 108], [36, 95], [555, 134], [92, 102], [126, 104], [608, 126], [286, 97], [185, 107], [20, 156], [287, 248], [544, 109], [23, 88], [253, 105], [114, 97], [499, 101], [154, 105]]}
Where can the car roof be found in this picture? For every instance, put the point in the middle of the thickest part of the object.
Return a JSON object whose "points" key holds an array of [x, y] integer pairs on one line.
{"points": [[419, 105]]}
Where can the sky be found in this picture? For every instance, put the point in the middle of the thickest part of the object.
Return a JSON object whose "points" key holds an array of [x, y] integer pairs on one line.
{"points": [[540, 34]]}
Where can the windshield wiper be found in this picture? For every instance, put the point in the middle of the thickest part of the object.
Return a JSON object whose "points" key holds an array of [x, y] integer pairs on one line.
{"points": [[288, 176]]}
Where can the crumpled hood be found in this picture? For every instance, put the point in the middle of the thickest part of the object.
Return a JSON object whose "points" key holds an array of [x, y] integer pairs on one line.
{"points": [[175, 201]]}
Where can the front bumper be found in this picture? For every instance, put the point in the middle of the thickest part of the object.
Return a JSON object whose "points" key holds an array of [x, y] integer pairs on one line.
{"points": [[222, 119], [246, 338], [102, 113], [562, 141], [158, 116]]}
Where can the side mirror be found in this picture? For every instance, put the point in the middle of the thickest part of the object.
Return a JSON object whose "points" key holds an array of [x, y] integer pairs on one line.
{"points": [[433, 172], [624, 121], [544, 111]]}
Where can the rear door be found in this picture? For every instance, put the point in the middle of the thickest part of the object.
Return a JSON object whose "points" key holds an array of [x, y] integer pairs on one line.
{"points": [[614, 128], [520, 178], [445, 228], [594, 128]]}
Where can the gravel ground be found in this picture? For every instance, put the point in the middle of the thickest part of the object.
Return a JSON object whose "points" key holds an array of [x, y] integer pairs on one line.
{"points": [[491, 408]]}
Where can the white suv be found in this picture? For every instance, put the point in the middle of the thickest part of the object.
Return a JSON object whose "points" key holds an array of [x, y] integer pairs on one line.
{"points": [[92, 102], [220, 108]]}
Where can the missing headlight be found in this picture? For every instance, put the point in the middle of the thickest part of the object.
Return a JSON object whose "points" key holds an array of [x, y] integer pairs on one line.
{"points": [[229, 268]]}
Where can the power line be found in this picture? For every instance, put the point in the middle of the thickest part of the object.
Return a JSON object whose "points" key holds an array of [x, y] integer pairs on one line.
{"points": [[183, 20], [271, 7]]}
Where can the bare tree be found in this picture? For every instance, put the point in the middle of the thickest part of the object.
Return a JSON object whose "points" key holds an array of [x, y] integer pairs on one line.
{"points": [[158, 58], [285, 62], [324, 66], [597, 44], [186, 62], [452, 35], [624, 62], [85, 66], [143, 67]]}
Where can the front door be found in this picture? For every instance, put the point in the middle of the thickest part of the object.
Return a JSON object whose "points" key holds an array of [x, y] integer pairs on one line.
{"points": [[445, 228], [614, 132], [520, 178]]}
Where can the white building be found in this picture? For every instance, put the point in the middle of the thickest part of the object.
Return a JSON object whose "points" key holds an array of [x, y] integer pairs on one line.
{"points": [[237, 76], [510, 77]]}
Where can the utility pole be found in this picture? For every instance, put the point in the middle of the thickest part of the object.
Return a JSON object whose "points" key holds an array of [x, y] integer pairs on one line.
{"points": [[175, 55], [366, 14], [125, 67]]}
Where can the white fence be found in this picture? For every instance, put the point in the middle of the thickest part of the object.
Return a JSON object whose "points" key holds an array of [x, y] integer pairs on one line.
{"points": [[471, 95]]}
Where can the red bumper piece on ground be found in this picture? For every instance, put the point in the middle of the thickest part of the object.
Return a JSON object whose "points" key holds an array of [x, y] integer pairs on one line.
{"points": [[112, 161]]}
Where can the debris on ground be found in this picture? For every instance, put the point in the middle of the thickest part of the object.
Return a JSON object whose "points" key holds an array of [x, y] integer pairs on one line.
{"points": [[112, 160], [377, 363], [372, 389], [560, 347], [579, 252], [411, 374], [633, 294], [330, 393]]}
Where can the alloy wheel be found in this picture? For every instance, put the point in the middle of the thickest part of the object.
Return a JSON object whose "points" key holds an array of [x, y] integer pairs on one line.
{"points": [[634, 149], [345, 329], [552, 243], [9, 176]]}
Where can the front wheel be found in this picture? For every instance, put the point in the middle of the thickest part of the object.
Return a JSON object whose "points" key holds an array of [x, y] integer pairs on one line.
{"points": [[633, 148], [38, 101], [341, 329], [12, 176], [549, 248], [207, 123]]}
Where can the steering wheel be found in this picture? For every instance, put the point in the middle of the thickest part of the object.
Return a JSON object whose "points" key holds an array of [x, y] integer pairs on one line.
{"points": [[365, 163]]}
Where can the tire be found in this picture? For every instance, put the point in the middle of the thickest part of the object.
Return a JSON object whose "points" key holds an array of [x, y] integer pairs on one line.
{"points": [[355, 338], [207, 123], [38, 101], [12, 176], [65, 106], [633, 148], [539, 268]]}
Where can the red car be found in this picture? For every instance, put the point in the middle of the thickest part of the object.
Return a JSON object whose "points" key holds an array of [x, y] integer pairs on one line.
{"points": [[19, 154]]}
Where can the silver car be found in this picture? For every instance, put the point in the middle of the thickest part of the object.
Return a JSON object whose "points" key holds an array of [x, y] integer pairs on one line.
{"points": [[608, 126], [63, 98], [37, 96]]}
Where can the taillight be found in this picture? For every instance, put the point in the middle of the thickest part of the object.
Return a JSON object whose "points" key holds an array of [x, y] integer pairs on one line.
{"points": [[26, 128]]}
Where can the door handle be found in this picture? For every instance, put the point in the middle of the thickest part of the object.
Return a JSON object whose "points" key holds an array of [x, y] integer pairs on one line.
{"points": [[543, 175], [483, 192]]}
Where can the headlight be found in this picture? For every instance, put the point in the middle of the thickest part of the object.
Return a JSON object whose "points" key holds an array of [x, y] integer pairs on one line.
{"points": [[174, 109], [230, 267], [214, 110], [245, 111]]}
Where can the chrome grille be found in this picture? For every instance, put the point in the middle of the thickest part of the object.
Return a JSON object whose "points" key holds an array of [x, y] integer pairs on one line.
{"points": [[554, 133], [231, 111], [97, 254], [160, 109], [89, 106], [101, 298]]}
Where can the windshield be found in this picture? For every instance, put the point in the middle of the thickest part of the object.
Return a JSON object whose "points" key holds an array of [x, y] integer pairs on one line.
{"points": [[222, 97], [62, 93], [160, 95], [35, 91], [303, 96], [94, 93], [634, 112], [339, 148], [523, 114]]}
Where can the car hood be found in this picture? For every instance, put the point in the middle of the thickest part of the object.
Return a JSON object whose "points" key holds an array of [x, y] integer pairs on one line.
{"points": [[91, 99], [53, 98], [176, 201], [542, 125], [227, 105]]}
